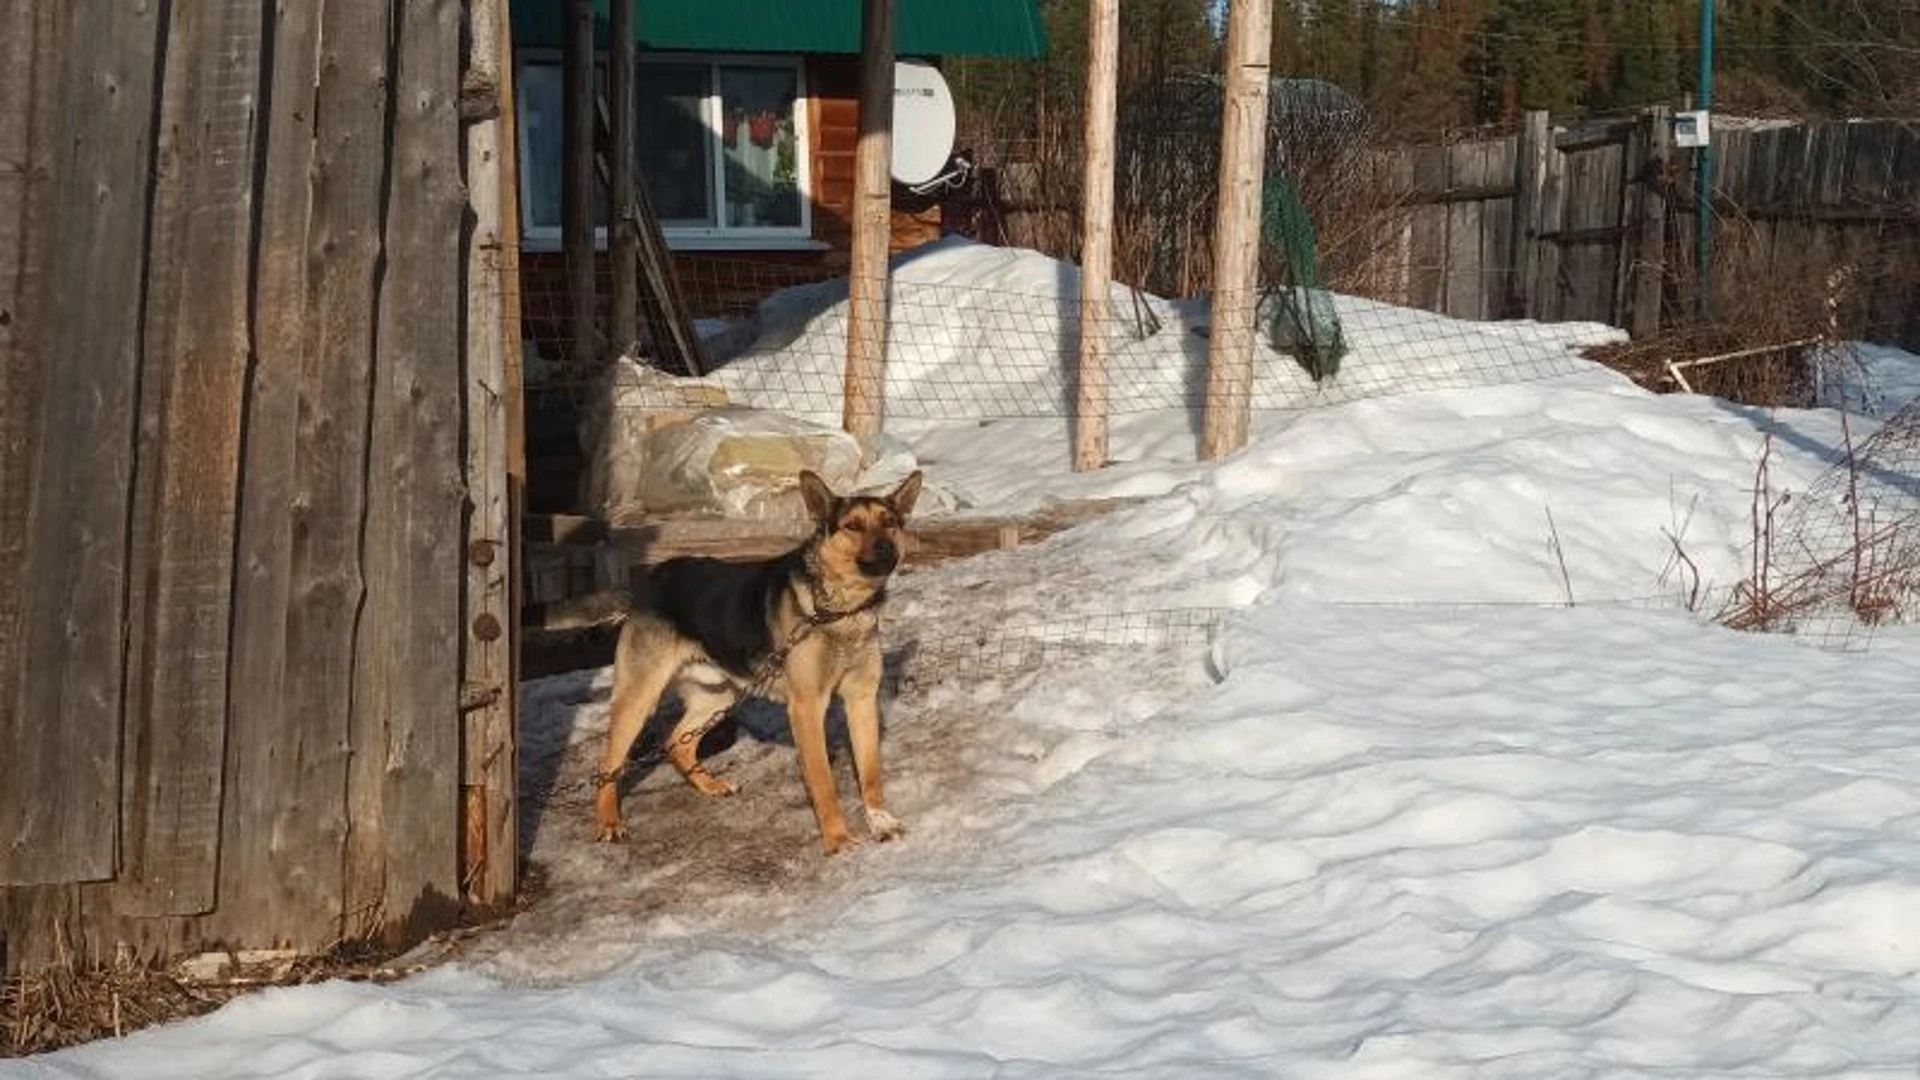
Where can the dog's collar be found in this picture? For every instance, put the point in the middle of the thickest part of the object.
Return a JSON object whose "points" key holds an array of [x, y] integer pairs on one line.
{"points": [[824, 614]]}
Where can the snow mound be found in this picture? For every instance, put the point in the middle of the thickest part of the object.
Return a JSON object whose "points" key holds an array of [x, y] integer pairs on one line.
{"points": [[980, 332]]}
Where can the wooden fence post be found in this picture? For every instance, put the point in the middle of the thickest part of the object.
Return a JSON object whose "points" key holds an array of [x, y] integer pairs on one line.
{"points": [[488, 847], [1648, 240], [864, 387], [1236, 247], [623, 234], [1096, 237], [576, 198], [1532, 146]]}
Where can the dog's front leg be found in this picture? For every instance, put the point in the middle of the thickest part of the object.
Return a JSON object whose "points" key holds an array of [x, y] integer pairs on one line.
{"points": [[861, 692], [807, 716]]}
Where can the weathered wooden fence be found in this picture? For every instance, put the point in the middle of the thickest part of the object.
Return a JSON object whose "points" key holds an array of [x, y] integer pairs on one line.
{"points": [[255, 520], [1597, 222]]}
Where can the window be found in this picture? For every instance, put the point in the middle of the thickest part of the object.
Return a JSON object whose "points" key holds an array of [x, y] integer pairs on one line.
{"points": [[721, 143]]}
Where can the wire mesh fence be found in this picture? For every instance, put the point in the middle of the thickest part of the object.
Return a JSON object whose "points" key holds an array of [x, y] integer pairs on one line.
{"points": [[975, 333], [1843, 556]]}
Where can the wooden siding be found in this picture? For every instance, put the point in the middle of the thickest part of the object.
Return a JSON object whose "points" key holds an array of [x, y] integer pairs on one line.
{"points": [[233, 476]]}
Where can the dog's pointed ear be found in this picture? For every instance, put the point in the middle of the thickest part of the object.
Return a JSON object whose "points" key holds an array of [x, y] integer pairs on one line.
{"points": [[820, 498], [905, 495]]}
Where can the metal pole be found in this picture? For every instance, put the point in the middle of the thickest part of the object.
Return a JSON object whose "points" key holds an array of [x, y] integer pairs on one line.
{"points": [[1703, 172]]}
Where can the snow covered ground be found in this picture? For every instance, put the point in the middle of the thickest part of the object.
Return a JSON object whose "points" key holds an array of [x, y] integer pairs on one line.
{"points": [[1304, 767]]}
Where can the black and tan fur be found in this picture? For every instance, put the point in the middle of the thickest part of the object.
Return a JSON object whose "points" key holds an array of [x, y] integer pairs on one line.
{"points": [[798, 628]]}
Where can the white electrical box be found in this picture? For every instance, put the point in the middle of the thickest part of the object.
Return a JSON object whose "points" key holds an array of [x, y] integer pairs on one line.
{"points": [[1691, 128]]}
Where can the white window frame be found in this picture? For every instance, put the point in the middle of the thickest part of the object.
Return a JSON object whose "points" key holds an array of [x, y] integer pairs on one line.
{"points": [[703, 237]]}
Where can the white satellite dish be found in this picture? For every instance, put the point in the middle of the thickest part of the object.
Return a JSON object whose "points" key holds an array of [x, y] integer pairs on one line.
{"points": [[923, 124]]}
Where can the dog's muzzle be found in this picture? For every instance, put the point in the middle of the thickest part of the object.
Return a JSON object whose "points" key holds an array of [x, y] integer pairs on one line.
{"points": [[880, 560]]}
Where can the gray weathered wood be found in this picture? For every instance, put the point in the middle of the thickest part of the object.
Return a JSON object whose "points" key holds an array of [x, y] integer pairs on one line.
{"points": [[1649, 190], [1428, 249], [1532, 143], [29, 104], [489, 851], [197, 343], [79, 326], [402, 858], [282, 833]]}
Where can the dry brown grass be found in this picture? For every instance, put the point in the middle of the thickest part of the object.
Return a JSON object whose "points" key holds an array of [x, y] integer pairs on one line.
{"points": [[66, 1006]]}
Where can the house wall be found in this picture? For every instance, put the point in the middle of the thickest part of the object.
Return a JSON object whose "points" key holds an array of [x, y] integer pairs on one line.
{"points": [[718, 284]]}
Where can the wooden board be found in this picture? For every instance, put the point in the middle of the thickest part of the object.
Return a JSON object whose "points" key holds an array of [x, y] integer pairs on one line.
{"points": [[197, 343], [402, 853], [282, 833], [1428, 273], [1461, 296], [28, 105], [489, 852]]}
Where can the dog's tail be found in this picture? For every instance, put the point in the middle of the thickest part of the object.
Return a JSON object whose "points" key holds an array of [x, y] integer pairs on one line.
{"points": [[608, 607]]}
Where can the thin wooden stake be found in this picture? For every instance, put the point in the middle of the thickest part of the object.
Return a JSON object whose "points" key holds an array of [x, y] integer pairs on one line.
{"points": [[872, 224], [1096, 236], [576, 198], [623, 239], [1236, 245]]}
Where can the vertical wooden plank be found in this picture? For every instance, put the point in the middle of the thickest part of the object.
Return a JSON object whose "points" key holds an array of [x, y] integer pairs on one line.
{"points": [[576, 195], [1497, 249], [1096, 236], [489, 850], [29, 103], [198, 340], [1650, 223], [33, 86], [1547, 294], [1464, 280], [1236, 246], [284, 825], [623, 325], [327, 606], [1428, 248], [41, 926], [403, 784], [865, 377], [504, 770], [1532, 146]]}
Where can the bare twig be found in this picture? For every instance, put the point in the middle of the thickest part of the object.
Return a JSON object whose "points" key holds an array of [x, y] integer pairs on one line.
{"points": [[1559, 554]]}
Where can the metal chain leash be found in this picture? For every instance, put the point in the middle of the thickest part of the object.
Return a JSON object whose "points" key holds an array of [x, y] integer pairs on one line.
{"points": [[766, 674]]}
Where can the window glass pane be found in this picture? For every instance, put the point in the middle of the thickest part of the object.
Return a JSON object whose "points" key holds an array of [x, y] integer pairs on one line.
{"points": [[760, 145], [540, 104], [542, 90], [675, 146]]}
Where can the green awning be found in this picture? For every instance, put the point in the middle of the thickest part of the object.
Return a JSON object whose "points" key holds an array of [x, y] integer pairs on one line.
{"points": [[1009, 28]]}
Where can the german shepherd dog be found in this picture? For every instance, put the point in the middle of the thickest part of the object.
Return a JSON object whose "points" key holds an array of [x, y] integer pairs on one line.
{"points": [[797, 628]]}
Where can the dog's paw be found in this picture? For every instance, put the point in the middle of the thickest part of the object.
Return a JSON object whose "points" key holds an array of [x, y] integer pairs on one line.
{"points": [[710, 785], [615, 833], [883, 826], [836, 842]]}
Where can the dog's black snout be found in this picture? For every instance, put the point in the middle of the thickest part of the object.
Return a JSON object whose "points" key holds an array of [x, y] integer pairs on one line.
{"points": [[880, 559]]}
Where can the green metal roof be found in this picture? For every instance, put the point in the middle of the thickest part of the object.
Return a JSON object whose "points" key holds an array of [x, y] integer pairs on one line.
{"points": [[1009, 28]]}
